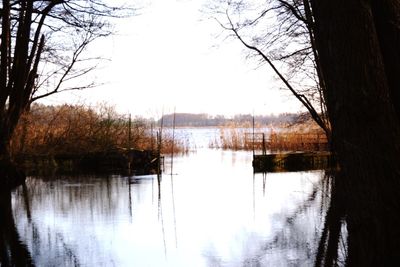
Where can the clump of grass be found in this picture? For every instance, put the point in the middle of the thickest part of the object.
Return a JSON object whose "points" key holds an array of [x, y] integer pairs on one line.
{"points": [[232, 138], [173, 145]]}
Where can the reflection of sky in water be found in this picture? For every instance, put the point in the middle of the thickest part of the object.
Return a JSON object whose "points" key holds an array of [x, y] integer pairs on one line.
{"points": [[213, 212]]}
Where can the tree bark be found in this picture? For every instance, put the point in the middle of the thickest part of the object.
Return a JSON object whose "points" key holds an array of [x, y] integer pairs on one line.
{"points": [[365, 128], [387, 22], [10, 175]]}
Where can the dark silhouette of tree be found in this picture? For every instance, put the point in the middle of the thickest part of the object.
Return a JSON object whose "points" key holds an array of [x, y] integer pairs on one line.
{"points": [[358, 45], [55, 32], [355, 44]]}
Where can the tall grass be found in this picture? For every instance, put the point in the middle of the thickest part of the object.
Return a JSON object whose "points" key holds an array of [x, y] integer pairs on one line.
{"points": [[174, 145], [230, 138]]}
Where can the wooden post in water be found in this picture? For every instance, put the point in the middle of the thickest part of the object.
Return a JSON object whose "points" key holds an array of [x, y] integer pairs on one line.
{"points": [[158, 154], [161, 123], [159, 143], [173, 142], [264, 152], [129, 142], [129, 132], [151, 138], [253, 137]]}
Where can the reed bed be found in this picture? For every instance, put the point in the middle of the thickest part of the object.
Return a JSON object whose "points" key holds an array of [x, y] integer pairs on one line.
{"points": [[174, 145], [231, 138], [79, 129], [300, 137], [297, 141]]}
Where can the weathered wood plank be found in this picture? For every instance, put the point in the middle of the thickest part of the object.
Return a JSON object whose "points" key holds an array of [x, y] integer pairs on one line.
{"points": [[293, 161]]}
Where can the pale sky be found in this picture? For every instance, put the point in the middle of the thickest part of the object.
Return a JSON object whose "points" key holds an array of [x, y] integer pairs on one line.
{"points": [[172, 56]]}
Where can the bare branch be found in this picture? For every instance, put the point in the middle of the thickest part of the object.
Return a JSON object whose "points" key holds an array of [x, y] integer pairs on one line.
{"points": [[68, 26], [295, 11], [306, 103]]}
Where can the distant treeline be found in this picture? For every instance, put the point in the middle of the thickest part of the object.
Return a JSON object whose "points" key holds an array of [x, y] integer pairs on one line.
{"points": [[204, 120]]}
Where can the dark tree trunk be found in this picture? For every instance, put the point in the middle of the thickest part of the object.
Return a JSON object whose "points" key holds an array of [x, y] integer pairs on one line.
{"points": [[387, 22], [10, 175], [365, 128]]}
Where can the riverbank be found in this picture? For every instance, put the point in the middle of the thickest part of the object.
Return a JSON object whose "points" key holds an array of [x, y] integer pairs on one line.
{"points": [[116, 161]]}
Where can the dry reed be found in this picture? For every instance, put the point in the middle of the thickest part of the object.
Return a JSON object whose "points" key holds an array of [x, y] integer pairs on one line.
{"points": [[300, 137], [78, 129]]}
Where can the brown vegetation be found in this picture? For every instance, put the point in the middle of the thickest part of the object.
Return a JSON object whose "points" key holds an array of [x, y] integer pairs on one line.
{"points": [[173, 145], [78, 129], [306, 136], [300, 137], [231, 138]]}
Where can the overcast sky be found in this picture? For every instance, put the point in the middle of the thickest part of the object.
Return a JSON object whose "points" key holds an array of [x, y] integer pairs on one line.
{"points": [[172, 56]]}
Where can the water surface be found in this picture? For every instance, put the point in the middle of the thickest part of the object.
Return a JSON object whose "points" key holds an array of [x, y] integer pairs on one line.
{"points": [[210, 210]]}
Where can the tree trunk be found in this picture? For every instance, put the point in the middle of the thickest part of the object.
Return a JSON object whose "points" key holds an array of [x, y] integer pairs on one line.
{"points": [[10, 175], [365, 128], [387, 22]]}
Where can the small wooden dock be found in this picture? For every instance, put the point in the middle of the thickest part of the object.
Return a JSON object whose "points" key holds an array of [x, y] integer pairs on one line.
{"points": [[292, 161], [297, 151]]}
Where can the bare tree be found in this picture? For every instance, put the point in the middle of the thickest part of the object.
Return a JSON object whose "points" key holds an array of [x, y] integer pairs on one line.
{"points": [[281, 34], [355, 45], [53, 32]]}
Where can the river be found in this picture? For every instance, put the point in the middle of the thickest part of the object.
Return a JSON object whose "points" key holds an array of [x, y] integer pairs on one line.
{"points": [[209, 210]]}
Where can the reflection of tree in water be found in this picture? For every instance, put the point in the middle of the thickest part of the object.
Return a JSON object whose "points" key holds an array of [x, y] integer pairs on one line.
{"points": [[326, 248], [12, 251], [295, 237], [332, 238], [302, 238], [297, 240], [77, 200]]}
